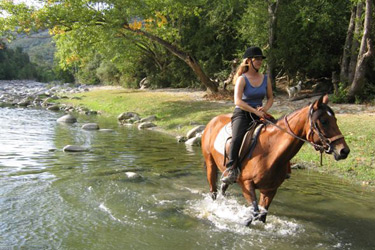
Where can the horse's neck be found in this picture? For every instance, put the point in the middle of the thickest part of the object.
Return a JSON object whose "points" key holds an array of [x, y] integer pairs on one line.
{"points": [[295, 124]]}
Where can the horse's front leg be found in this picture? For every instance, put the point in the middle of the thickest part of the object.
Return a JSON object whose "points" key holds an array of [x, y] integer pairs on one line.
{"points": [[266, 197], [248, 191]]}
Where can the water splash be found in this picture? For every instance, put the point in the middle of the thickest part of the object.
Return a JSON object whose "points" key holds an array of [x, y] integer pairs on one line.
{"points": [[227, 214]]}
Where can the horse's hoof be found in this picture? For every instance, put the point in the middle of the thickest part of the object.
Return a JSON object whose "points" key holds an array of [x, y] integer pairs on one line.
{"points": [[262, 218], [248, 222], [214, 195]]}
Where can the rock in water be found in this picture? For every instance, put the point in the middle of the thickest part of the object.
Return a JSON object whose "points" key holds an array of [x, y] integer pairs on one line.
{"points": [[67, 119], [74, 148], [90, 126]]}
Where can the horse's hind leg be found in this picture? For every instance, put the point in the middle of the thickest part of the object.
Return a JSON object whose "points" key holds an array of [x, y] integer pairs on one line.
{"points": [[211, 169]]}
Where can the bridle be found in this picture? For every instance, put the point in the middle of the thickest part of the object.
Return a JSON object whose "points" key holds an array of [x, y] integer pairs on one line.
{"points": [[326, 142]]}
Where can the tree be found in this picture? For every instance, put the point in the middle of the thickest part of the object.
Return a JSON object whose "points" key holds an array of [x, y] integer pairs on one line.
{"points": [[272, 11], [366, 51], [156, 20]]}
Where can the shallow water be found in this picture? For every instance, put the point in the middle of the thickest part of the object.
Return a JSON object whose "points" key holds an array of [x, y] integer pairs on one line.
{"points": [[50, 199]]}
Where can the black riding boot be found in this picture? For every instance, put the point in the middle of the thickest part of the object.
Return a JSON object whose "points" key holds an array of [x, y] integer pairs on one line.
{"points": [[232, 173]]}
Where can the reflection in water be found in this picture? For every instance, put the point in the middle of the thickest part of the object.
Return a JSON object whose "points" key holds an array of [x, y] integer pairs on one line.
{"points": [[53, 199]]}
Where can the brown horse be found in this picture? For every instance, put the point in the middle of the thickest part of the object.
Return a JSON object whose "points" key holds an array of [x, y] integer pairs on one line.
{"points": [[276, 145]]}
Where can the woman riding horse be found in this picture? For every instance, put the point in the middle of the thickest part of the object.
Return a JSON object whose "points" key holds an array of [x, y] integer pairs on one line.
{"points": [[250, 89], [276, 145]]}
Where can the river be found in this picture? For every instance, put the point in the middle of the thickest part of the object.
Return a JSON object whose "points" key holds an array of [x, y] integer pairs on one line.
{"points": [[50, 199]]}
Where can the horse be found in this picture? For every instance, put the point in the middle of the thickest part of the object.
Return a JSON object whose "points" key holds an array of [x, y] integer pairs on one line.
{"points": [[277, 143]]}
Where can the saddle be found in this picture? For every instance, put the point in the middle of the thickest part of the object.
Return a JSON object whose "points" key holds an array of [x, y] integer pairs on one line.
{"points": [[248, 142]]}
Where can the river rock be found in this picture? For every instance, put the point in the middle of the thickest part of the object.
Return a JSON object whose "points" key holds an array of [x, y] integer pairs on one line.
{"points": [[90, 126], [195, 141], [132, 175], [74, 148], [145, 125], [128, 117], [193, 132], [54, 108], [67, 119], [47, 102], [23, 103], [150, 118], [106, 130], [180, 138]]}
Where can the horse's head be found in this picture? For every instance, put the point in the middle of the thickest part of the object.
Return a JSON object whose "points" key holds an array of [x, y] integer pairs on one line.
{"points": [[324, 131]]}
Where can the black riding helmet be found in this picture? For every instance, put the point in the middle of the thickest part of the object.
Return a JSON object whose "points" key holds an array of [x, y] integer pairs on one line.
{"points": [[252, 52]]}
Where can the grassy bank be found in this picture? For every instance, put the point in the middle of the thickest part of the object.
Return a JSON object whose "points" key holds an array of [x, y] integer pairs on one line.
{"points": [[178, 112]]}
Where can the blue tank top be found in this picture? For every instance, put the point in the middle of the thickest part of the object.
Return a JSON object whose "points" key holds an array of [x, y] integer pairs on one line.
{"points": [[254, 95]]}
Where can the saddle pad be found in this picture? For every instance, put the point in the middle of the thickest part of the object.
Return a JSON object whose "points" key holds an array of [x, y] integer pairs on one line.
{"points": [[222, 138], [226, 132]]}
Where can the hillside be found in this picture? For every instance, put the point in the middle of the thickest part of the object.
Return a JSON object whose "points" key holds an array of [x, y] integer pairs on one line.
{"points": [[39, 46]]}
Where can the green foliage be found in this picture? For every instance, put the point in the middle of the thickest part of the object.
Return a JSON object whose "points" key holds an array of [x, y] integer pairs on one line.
{"points": [[341, 96], [309, 37], [254, 25], [15, 64], [108, 74]]}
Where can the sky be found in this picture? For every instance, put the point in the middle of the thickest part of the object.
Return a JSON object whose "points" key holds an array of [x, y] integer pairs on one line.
{"points": [[29, 2], [35, 3]]}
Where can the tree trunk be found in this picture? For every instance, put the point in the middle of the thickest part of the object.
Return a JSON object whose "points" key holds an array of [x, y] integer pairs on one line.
{"points": [[272, 11], [355, 44], [188, 59], [344, 71], [335, 82], [363, 55]]}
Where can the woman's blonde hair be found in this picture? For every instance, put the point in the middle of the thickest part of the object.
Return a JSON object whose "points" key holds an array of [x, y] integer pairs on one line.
{"points": [[244, 67]]}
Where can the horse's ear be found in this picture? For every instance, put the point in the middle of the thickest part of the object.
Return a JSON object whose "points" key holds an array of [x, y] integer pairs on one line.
{"points": [[322, 99]]}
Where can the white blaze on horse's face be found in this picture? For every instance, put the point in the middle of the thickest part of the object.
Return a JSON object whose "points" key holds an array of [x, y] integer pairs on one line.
{"points": [[329, 113]]}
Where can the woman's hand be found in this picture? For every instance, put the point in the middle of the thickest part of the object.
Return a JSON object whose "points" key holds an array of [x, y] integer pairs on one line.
{"points": [[260, 112]]}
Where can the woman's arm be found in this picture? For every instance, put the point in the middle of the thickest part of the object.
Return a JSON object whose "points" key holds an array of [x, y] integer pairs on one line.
{"points": [[269, 96]]}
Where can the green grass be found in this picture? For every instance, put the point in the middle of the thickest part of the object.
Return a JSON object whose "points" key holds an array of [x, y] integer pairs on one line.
{"points": [[178, 113], [359, 132]]}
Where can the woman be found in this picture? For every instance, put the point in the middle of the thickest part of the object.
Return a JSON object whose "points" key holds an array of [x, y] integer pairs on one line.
{"points": [[250, 89]]}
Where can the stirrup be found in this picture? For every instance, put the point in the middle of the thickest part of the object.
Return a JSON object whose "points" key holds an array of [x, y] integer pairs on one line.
{"points": [[232, 175]]}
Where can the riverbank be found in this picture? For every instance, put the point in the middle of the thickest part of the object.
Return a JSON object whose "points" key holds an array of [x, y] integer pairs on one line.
{"points": [[179, 110]]}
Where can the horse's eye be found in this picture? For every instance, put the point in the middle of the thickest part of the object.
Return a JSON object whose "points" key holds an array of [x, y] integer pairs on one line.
{"points": [[324, 122]]}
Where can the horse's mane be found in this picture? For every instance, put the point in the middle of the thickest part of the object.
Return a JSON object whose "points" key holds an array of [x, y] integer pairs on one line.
{"points": [[323, 107]]}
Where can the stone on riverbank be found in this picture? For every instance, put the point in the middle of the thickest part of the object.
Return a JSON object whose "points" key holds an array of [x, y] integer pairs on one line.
{"points": [[195, 141], [74, 148], [67, 119], [145, 125], [193, 132], [90, 126], [54, 108], [24, 103], [150, 118], [128, 117]]}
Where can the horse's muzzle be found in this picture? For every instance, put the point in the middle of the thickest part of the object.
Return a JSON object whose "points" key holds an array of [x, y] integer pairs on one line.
{"points": [[344, 152]]}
